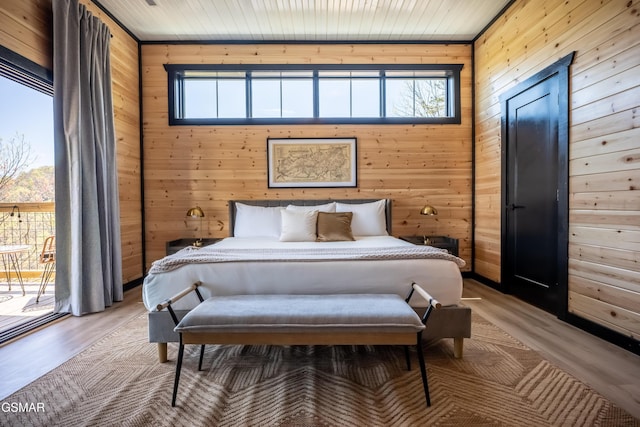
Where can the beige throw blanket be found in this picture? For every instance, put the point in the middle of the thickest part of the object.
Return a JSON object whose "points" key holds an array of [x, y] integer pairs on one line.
{"points": [[209, 254]]}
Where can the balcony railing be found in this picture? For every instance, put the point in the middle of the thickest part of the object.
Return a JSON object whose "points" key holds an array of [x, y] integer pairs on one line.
{"points": [[27, 224]]}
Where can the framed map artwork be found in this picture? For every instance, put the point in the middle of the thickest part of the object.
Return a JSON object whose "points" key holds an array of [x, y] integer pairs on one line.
{"points": [[311, 162]]}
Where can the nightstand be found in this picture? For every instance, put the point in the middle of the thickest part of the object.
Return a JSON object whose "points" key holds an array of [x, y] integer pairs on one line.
{"points": [[442, 242], [174, 246]]}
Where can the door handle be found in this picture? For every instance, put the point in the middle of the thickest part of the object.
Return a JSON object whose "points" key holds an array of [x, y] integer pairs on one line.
{"points": [[514, 207]]}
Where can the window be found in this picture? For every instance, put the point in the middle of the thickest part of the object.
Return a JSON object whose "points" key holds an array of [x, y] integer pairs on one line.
{"points": [[211, 94], [27, 183], [416, 94], [259, 94], [26, 144], [278, 94], [349, 93]]}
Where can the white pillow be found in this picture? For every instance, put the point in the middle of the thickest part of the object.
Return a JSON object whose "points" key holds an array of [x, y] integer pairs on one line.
{"points": [[369, 219], [298, 226], [327, 207], [257, 221]]}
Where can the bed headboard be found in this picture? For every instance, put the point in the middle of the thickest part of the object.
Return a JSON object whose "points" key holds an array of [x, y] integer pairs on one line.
{"points": [[301, 202]]}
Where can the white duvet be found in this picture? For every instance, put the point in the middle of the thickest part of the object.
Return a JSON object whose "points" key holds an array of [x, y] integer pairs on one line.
{"points": [[440, 277]]}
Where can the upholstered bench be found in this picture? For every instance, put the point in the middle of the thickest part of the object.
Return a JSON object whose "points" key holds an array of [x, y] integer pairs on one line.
{"points": [[352, 319]]}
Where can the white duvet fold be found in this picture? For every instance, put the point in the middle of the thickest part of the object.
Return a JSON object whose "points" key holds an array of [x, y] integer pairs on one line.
{"points": [[215, 254]]}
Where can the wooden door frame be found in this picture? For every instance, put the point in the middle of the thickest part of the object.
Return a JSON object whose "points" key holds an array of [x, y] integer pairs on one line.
{"points": [[561, 70]]}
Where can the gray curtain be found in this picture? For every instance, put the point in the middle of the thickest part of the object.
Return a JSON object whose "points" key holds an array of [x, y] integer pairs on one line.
{"points": [[88, 253]]}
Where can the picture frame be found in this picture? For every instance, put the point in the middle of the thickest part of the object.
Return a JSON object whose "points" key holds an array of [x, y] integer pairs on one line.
{"points": [[311, 162]]}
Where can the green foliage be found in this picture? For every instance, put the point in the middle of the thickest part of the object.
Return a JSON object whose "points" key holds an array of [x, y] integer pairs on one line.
{"points": [[17, 185], [15, 157], [33, 186]]}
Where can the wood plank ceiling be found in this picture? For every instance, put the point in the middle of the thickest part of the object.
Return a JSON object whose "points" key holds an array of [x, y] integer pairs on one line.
{"points": [[305, 20]]}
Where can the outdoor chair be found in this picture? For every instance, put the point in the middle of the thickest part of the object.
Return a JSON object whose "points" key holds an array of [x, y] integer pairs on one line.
{"points": [[48, 258]]}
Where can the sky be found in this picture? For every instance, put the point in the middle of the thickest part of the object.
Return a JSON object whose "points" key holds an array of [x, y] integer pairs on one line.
{"points": [[29, 112]]}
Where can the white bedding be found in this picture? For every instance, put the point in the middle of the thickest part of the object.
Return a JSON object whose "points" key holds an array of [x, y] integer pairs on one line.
{"points": [[439, 277]]}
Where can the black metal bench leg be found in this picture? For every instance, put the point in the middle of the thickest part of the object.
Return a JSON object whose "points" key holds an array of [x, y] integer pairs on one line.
{"points": [[423, 369], [201, 357], [406, 356], [178, 368]]}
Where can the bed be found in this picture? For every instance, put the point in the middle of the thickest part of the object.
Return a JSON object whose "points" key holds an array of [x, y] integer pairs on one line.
{"points": [[274, 248]]}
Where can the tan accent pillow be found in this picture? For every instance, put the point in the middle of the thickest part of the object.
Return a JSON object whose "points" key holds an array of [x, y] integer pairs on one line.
{"points": [[334, 227]]}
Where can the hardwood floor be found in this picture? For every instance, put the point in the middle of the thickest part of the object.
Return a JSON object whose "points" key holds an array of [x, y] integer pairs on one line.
{"points": [[608, 369], [26, 358]]}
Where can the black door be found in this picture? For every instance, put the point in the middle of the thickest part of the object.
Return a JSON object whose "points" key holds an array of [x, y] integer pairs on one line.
{"points": [[531, 208], [535, 190]]}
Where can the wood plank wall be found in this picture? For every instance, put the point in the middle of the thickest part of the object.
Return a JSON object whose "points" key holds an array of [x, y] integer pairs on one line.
{"points": [[26, 28], [604, 242], [208, 165]]}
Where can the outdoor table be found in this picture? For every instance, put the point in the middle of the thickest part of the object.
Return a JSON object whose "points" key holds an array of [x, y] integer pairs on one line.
{"points": [[9, 255]]}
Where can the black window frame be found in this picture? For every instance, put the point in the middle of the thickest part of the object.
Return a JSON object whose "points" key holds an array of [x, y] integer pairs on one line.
{"points": [[21, 70], [176, 71]]}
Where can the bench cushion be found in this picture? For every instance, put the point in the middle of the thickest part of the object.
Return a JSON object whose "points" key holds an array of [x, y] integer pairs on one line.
{"points": [[368, 313]]}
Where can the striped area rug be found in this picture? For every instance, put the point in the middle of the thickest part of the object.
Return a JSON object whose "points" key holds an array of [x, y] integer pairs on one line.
{"points": [[118, 382]]}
